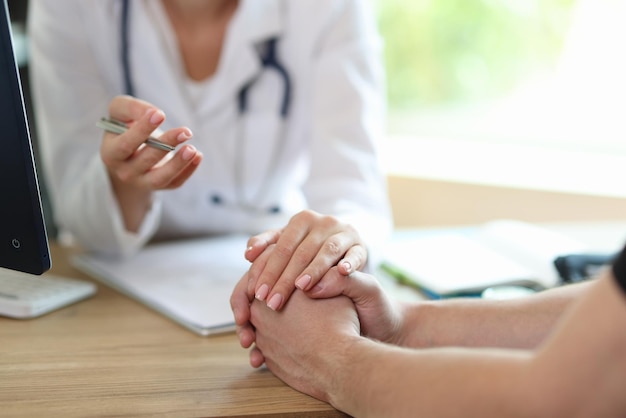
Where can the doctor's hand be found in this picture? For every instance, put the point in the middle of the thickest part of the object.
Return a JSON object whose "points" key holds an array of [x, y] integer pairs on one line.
{"points": [[300, 254], [137, 170]]}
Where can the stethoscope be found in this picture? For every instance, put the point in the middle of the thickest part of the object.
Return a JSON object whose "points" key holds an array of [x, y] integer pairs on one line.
{"points": [[269, 61]]}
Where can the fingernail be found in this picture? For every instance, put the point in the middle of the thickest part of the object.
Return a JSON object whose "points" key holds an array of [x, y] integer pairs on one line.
{"points": [[347, 266], [188, 153], [157, 117], [198, 158], [184, 135], [274, 302], [261, 294], [303, 281]]}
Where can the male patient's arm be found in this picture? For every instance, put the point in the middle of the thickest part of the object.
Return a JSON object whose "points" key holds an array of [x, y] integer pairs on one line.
{"points": [[520, 323], [579, 371], [515, 323]]}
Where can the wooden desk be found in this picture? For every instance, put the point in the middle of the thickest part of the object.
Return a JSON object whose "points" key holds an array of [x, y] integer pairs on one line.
{"points": [[111, 356]]}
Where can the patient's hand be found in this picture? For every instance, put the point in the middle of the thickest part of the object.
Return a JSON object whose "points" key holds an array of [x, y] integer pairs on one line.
{"points": [[380, 317], [292, 341]]}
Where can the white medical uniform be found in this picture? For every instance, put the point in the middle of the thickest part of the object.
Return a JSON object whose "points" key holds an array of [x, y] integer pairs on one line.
{"points": [[323, 157]]}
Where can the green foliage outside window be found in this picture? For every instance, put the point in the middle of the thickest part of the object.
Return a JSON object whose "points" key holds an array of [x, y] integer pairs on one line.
{"points": [[440, 52]]}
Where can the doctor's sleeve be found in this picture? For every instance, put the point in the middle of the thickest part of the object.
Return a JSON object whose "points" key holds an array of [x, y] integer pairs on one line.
{"points": [[346, 178], [70, 94]]}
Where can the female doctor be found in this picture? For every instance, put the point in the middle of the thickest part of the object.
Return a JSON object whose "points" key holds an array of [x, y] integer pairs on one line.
{"points": [[284, 100]]}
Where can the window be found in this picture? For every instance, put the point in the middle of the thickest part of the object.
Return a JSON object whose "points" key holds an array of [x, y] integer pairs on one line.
{"points": [[528, 93]]}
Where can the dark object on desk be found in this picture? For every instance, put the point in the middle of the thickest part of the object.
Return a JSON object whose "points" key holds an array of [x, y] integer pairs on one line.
{"points": [[574, 268], [23, 239], [619, 269]]}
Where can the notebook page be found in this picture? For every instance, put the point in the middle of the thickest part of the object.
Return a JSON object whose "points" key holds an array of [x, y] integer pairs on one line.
{"points": [[450, 262], [531, 245], [189, 281]]}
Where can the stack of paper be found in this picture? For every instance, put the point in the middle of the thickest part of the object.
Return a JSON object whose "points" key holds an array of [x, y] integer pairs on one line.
{"points": [[466, 261]]}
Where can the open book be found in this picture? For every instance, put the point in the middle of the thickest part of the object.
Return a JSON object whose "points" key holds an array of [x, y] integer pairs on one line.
{"points": [[189, 281], [449, 262]]}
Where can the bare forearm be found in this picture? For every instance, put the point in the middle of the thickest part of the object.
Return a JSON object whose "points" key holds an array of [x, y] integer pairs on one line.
{"points": [[581, 369], [578, 371], [380, 380], [519, 323]]}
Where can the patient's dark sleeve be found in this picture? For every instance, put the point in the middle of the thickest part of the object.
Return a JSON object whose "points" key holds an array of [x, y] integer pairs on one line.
{"points": [[619, 270]]}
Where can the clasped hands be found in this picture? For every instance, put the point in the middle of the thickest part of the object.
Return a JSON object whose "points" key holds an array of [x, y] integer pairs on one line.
{"points": [[277, 304]]}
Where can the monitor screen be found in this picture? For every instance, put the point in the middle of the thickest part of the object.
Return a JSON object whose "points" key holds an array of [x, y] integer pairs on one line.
{"points": [[23, 239]]}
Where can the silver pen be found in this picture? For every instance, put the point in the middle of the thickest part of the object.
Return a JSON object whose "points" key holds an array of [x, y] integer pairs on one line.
{"points": [[117, 127]]}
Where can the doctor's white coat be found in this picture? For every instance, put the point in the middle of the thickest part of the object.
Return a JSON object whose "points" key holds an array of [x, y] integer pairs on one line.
{"points": [[323, 157]]}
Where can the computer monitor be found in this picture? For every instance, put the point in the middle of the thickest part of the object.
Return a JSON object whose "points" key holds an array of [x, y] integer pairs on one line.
{"points": [[23, 238]]}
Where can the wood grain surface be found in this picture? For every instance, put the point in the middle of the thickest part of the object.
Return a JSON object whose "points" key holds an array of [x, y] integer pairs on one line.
{"points": [[111, 356]]}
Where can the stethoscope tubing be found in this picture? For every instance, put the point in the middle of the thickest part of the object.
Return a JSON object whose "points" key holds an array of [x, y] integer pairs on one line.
{"points": [[269, 60], [129, 87]]}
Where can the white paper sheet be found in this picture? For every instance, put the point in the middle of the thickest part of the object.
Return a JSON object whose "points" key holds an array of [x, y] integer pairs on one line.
{"points": [[460, 260], [189, 281]]}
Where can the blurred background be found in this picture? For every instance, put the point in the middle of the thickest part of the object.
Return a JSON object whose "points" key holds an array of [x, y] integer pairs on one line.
{"points": [[542, 79], [505, 108], [515, 59], [442, 52], [496, 108]]}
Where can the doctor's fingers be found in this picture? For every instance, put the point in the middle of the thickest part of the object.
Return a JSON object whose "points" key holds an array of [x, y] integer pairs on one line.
{"points": [[286, 242], [353, 260], [267, 268], [338, 248], [326, 241], [256, 269], [129, 109], [173, 172], [309, 245], [258, 243], [117, 150], [125, 145]]}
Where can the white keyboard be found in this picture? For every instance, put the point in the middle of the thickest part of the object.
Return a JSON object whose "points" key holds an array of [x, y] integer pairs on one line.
{"points": [[27, 296]]}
